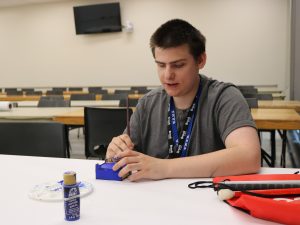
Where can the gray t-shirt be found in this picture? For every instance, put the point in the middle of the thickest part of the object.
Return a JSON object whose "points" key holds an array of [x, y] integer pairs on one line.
{"points": [[221, 109]]}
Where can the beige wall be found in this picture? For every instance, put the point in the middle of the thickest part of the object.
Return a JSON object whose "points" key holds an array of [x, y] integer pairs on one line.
{"points": [[247, 43]]}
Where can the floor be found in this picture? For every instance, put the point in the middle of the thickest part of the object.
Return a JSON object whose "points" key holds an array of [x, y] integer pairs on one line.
{"points": [[77, 147]]}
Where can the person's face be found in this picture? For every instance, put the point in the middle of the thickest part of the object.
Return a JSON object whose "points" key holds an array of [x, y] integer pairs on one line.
{"points": [[178, 70]]}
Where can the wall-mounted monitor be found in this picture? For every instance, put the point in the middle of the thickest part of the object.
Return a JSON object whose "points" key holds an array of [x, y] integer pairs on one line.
{"points": [[100, 18]]}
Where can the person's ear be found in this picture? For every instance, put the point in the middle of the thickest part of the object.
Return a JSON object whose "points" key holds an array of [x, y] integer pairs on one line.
{"points": [[202, 60]]}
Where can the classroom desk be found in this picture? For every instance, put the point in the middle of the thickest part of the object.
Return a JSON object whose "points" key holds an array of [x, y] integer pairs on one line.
{"points": [[19, 98], [269, 119], [33, 98], [77, 103], [112, 202], [278, 119], [279, 104], [28, 113]]}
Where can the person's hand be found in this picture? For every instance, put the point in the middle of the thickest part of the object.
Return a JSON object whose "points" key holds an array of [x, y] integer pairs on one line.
{"points": [[139, 166], [119, 144]]}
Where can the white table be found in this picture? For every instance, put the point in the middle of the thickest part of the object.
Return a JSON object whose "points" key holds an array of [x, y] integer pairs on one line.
{"points": [[112, 202], [77, 103]]}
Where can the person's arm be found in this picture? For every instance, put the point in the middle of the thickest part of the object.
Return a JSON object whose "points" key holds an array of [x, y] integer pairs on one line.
{"points": [[241, 156]]}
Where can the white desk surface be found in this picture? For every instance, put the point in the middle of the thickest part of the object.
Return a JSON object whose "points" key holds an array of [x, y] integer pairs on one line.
{"points": [[35, 113], [112, 202], [80, 103]]}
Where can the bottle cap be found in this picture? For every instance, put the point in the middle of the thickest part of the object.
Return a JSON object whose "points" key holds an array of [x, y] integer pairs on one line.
{"points": [[69, 178]]}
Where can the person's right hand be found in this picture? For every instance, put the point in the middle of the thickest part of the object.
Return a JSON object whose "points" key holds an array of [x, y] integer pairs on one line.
{"points": [[119, 144]]}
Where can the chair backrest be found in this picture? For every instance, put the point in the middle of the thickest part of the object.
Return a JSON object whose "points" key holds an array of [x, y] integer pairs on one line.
{"points": [[245, 86], [83, 97], [13, 92], [124, 91], [62, 89], [131, 102], [265, 97], [249, 90], [39, 93], [10, 89], [114, 96], [33, 139], [249, 95], [101, 125], [75, 88], [140, 89], [55, 92], [27, 90], [252, 102], [98, 91], [53, 102], [93, 89]]}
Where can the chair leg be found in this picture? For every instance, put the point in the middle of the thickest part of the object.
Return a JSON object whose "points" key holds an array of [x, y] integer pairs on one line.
{"points": [[273, 148], [78, 133]]}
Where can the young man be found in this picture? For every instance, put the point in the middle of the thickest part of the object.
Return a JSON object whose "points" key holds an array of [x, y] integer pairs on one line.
{"points": [[192, 126]]}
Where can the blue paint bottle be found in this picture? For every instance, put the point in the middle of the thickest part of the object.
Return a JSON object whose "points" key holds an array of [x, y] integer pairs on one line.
{"points": [[71, 196]]}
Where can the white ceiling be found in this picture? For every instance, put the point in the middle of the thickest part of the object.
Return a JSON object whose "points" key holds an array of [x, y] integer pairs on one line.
{"points": [[9, 3]]}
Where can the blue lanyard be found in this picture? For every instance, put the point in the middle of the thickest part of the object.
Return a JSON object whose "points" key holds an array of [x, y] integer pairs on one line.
{"points": [[178, 145]]}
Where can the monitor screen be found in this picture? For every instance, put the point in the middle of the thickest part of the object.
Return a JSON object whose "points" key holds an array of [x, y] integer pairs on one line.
{"points": [[100, 18]]}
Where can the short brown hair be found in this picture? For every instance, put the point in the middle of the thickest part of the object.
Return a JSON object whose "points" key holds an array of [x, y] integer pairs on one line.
{"points": [[177, 32]]}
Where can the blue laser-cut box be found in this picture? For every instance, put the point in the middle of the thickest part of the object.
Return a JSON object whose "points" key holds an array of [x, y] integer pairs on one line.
{"points": [[104, 171]]}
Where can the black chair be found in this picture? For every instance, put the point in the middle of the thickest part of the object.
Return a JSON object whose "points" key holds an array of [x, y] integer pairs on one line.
{"points": [[98, 91], [14, 93], [252, 102], [45, 101], [245, 87], [124, 92], [131, 102], [62, 89], [10, 89], [53, 97], [83, 97], [101, 125], [33, 139], [94, 89], [114, 96], [140, 89], [34, 93], [250, 95], [75, 89], [248, 90], [25, 90], [55, 92], [265, 97]]}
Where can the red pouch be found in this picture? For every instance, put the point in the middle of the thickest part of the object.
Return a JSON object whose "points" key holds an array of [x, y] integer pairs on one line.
{"points": [[277, 205]]}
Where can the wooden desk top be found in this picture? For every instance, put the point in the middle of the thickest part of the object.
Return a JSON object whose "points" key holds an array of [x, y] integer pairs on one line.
{"points": [[19, 98], [135, 96], [280, 104], [279, 119], [282, 119], [71, 118]]}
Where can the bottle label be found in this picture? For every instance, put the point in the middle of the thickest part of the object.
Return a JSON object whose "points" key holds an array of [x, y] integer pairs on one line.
{"points": [[72, 202]]}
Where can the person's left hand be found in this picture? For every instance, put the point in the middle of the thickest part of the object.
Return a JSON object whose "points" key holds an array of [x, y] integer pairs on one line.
{"points": [[139, 166]]}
